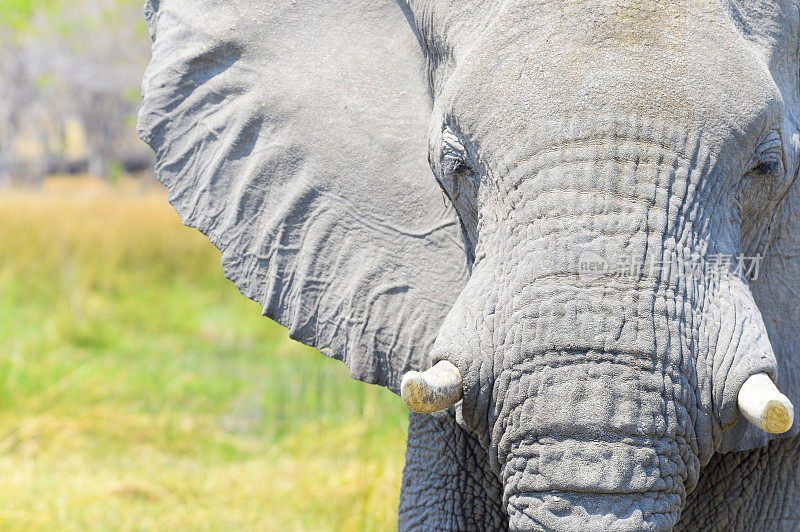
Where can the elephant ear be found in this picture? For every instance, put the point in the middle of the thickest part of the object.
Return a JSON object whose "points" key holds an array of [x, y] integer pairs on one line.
{"points": [[294, 135]]}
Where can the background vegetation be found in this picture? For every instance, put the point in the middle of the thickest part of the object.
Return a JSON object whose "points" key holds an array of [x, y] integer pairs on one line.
{"points": [[69, 86], [138, 389]]}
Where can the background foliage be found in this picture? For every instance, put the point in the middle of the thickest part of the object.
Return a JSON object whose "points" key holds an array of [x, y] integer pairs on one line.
{"points": [[138, 389], [69, 84]]}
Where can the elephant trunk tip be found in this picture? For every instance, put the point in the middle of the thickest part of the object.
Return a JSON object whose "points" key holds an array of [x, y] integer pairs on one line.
{"points": [[764, 405], [657, 511], [432, 390]]}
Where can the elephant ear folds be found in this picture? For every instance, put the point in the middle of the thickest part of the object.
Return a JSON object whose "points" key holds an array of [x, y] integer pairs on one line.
{"points": [[294, 135]]}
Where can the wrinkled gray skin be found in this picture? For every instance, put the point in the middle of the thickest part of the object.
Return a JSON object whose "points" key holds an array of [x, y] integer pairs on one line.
{"points": [[311, 141]]}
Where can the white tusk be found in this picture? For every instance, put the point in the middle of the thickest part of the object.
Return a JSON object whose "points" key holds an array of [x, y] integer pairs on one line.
{"points": [[432, 390], [764, 405]]}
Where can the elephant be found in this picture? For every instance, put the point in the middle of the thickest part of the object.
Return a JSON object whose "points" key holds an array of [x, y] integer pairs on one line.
{"points": [[566, 233]]}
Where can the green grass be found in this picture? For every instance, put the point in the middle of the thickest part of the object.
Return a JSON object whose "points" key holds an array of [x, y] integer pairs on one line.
{"points": [[139, 390], [69, 18], [17, 14]]}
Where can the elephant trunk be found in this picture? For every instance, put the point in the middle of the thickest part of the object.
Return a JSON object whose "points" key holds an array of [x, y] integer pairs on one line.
{"points": [[590, 408], [602, 442]]}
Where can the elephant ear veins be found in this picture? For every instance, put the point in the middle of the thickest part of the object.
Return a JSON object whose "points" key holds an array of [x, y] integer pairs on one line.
{"points": [[295, 137]]}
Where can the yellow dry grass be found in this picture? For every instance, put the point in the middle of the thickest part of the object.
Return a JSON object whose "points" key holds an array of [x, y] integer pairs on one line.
{"points": [[140, 391]]}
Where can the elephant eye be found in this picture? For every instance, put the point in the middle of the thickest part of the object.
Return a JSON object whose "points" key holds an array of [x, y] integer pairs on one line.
{"points": [[761, 184], [460, 181], [769, 156], [455, 160]]}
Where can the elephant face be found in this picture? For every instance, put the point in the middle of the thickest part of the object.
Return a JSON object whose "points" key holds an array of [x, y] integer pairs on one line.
{"points": [[650, 136], [617, 250]]}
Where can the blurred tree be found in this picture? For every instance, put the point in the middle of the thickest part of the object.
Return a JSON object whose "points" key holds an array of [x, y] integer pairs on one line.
{"points": [[16, 96], [70, 61]]}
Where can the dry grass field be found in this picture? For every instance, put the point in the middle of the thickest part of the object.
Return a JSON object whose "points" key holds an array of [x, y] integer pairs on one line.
{"points": [[140, 391]]}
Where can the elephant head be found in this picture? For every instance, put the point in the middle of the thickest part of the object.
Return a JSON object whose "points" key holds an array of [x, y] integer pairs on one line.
{"points": [[583, 215]]}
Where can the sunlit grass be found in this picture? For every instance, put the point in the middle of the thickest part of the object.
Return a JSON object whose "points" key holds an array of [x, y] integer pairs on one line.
{"points": [[139, 390], [19, 16]]}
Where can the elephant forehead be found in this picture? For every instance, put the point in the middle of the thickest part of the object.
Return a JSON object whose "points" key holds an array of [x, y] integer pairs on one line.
{"points": [[684, 62]]}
